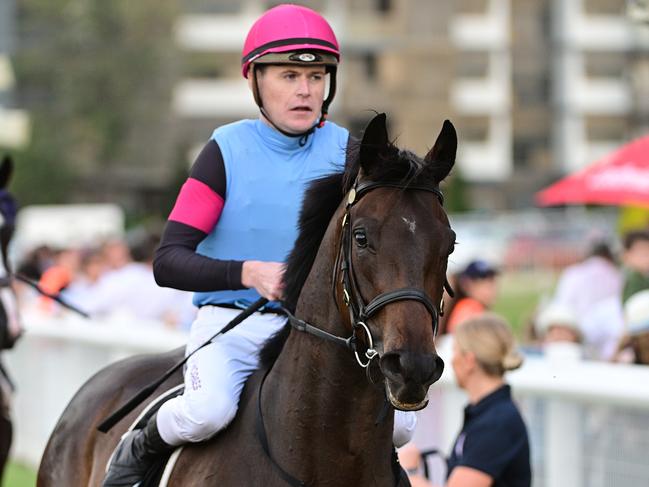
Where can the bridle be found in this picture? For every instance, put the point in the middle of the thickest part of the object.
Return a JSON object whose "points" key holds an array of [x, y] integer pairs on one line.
{"points": [[359, 312]]}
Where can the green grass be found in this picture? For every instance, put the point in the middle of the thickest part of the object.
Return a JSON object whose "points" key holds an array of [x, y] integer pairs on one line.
{"points": [[519, 297], [19, 475]]}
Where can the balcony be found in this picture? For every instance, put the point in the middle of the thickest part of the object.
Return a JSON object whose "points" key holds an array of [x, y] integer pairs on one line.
{"points": [[222, 98]]}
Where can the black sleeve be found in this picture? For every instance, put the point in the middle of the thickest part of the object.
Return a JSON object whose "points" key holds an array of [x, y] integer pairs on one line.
{"points": [[176, 263], [209, 168]]}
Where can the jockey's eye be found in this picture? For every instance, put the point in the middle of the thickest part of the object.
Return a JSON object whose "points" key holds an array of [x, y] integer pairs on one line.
{"points": [[360, 238]]}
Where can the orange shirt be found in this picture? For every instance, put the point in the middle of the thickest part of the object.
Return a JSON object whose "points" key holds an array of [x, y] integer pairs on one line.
{"points": [[464, 309], [53, 281]]}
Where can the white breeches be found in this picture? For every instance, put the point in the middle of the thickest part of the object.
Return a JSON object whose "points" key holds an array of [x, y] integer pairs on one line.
{"points": [[216, 374]]}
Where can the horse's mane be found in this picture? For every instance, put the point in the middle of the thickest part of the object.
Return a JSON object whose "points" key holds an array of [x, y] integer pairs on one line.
{"points": [[321, 200]]}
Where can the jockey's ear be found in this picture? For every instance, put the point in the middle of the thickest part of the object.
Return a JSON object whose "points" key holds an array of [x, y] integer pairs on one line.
{"points": [[6, 168], [375, 140], [442, 155]]}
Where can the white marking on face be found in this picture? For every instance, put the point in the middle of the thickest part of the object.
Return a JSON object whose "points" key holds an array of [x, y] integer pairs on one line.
{"points": [[412, 224]]}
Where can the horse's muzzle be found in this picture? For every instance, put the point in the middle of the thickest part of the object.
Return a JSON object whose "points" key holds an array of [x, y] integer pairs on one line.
{"points": [[408, 376]]}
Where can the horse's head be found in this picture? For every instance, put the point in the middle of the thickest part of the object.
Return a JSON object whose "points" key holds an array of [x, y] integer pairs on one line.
{"points": [[395, 244]]}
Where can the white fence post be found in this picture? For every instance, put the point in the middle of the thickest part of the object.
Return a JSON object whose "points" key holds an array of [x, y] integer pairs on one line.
{"points": [[563, 444]]}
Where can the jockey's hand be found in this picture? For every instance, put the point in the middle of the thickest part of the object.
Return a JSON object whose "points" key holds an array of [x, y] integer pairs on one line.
{"points": [[265, 277]]}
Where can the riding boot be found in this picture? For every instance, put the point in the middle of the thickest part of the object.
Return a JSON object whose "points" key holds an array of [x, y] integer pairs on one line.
{"points": [[134, 456]]}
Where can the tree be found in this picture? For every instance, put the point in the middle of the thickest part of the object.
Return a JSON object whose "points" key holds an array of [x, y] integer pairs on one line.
{"points": [[96, 77]]}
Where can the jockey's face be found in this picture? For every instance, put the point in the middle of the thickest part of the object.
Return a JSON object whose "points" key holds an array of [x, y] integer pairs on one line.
{"points": [[292, 95]]}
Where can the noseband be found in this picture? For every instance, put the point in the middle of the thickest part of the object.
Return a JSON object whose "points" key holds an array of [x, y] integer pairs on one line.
{"points": [[359, 312]]}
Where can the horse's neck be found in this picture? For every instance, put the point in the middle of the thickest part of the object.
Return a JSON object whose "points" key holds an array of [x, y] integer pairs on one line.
{"points": [[318, 399]]}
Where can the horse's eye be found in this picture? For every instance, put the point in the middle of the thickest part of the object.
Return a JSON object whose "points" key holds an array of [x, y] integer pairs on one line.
{"points": [[360, 238]]}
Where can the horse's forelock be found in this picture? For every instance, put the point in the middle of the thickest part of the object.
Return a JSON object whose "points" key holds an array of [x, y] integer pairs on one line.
{"points": [[400, 165]]}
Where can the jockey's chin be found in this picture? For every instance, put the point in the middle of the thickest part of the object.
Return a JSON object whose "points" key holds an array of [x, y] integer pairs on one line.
{"points": [[298, 121]]}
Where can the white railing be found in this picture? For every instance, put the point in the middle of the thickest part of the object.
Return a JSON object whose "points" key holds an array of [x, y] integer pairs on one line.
{"points": [[56, 356], [588, 422]]}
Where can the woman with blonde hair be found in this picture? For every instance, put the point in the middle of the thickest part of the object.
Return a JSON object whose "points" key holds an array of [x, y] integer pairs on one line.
{"points": [[493, 448]]}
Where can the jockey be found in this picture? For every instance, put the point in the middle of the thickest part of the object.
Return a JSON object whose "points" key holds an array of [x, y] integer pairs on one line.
{"points": [[234, 222]]}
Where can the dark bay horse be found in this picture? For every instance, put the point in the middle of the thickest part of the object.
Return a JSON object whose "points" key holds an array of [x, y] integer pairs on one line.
{"points": [[370, 263]]}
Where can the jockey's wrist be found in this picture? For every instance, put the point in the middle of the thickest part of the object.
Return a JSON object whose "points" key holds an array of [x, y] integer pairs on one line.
{"points": [[248, 270]]}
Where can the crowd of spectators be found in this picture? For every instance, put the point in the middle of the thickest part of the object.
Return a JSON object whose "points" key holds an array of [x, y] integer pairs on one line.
{"points": [[593, 300], [113, 280], [599, 307]]}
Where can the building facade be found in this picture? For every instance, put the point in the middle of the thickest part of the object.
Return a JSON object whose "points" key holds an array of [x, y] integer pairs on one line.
{"points": [[14, 123], [536, 89]]}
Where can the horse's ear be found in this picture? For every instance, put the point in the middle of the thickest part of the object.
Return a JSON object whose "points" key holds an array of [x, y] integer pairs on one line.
{"points": [[375, 139], [442, 155], [6, 168]]}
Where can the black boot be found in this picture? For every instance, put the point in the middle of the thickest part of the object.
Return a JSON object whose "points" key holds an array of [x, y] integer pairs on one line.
{"points": [[135, 455]]}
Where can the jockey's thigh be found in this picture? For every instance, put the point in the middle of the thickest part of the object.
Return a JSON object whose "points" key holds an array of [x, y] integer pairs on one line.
{"points": [[216, 374]]}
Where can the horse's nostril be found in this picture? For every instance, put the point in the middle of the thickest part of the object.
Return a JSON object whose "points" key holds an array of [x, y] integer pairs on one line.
{"points": [[439, 369], [409, 367], [391, 365]]}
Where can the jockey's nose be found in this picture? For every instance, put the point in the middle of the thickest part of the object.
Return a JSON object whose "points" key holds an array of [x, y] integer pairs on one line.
{"points": [[303, 88]]}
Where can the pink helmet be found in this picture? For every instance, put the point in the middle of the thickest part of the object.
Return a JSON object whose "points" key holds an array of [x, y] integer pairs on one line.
{"points": [[290, 29]]}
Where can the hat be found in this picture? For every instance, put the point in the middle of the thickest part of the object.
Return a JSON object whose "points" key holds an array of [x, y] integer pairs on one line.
{"points": [[479, 269], [636, 313], [556, 314]]}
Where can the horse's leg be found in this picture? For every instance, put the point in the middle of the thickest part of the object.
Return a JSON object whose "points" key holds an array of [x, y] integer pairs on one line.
{"points": [[6, 426], [6, 435]]}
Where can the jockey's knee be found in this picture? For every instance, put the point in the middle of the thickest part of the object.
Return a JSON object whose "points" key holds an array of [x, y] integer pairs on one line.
{"points": [[206, 420]]}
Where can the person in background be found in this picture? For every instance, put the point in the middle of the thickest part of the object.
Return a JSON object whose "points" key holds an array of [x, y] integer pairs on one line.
{"points": [[116, 254], [557, 322], [592, 290], [492, 448], [130, 290], [37, 261], [636, 263], [411, 461], [582, 285], [58, 277], [634, 346], [602, 327], [476, 292], [557, 330], [83, 286]]}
